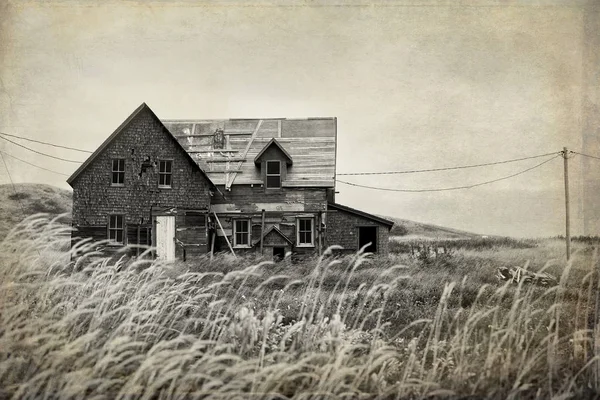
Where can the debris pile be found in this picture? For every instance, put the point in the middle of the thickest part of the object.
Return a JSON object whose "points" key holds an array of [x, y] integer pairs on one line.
{"points": [[518, 274]]}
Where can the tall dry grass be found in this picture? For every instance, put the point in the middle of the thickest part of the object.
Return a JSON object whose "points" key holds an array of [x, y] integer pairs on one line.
{"points": [[111, 328]]}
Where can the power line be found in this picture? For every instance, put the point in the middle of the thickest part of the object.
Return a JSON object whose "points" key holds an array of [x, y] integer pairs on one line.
{"points": [[16, 193], [13, 185], [447, 168], [450, 188], [585, 155], [33, 165], [39, 152], [46, 143]]}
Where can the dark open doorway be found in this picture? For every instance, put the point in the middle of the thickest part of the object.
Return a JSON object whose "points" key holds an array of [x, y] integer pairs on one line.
{"points": [[368, 234], [278, 253]]}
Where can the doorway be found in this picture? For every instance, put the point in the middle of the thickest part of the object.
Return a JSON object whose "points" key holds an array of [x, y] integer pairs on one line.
{"points": [[366, 235], [278, 253], [165, 237]]}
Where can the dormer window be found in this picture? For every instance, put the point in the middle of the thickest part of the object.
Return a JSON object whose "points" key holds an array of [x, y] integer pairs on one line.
{"points": [[273, 174], [274, 162]]}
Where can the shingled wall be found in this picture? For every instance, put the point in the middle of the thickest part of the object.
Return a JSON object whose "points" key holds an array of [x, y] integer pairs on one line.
{"points": [[142, 142]]}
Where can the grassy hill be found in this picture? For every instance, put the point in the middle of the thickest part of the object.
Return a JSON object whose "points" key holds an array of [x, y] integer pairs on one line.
{"points": [[26, 199], [405, 229]]}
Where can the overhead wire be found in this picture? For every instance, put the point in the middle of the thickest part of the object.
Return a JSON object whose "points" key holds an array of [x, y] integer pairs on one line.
{"points": [[33, 165], [41, 153], [414, 171], [13, 185], [450, 188], [585, 155], [15, 190], [46, 143]]}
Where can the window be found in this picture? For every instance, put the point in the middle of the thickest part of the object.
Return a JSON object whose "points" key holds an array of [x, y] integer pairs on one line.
{"points": [[118, 172], [115, 229], [165, 173], [241, 232], [305, 234], [273, 174], [195, 218]]}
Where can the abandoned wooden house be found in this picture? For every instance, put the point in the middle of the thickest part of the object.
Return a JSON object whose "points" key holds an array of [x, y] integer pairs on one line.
{"points": [[191, 187]]}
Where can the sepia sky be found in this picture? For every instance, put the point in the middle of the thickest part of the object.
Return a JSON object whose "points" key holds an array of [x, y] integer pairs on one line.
{"points": [[414, 85]]}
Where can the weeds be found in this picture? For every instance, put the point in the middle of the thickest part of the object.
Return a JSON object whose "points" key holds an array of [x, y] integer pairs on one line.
{"points": [[353, 327]]}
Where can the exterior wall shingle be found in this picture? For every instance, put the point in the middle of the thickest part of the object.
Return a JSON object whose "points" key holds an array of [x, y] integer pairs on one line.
{"points": [[142, 144], [342, 230]]}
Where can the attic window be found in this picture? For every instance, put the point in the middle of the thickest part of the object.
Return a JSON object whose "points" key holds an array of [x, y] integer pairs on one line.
{"points": [[165, 173], [118, 172], [273, 174]]}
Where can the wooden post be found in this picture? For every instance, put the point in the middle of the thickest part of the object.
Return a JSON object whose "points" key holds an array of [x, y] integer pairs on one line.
{"points": [[262, 230], [212, 244], [320, 231], [137, 250], [567, 212], [224, 234]]}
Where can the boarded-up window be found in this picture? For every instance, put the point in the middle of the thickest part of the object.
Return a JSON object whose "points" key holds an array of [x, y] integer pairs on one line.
{"points": [[165, 173], [195, 218], [305, 234], [118, 172], [115, 229], [273, 174], [241, 232]]}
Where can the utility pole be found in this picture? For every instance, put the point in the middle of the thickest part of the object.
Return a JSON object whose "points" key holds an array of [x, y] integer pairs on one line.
{"points": [[565, 154]]}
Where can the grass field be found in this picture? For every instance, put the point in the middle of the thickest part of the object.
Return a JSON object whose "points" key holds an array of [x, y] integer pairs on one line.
{"points": [[342, 328]]}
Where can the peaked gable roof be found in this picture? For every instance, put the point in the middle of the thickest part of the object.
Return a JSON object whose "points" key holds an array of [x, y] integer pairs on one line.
{"points": [[121, 128], [275, 143], [276, 232], [363, 214]]}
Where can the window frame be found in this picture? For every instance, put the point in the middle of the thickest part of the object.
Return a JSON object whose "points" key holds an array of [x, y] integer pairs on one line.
{"points": [[110, 229], [248, 233], [169, 174], [312, 232], [118, 172], [267, 175]]}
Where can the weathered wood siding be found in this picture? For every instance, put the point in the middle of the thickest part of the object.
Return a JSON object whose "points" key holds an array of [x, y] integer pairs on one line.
{"points": [[143, 141], [282, 208], [310, 142]]}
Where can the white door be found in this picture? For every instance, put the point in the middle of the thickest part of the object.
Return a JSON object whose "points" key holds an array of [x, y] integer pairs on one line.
{"points": [[165, 237]]}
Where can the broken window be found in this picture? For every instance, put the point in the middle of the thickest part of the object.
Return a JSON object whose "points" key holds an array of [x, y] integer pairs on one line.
{"points": [[305, 232], [273, 174], [118, 172], [165, 173], [115, 229], [241, 232]]}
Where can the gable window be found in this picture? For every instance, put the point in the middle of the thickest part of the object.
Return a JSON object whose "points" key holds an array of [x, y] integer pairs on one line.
{"points": [[165, 173], [118, 172], [273, 174], [241, 232], [305, 232], [115, 229]]}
